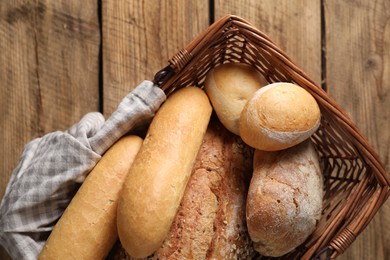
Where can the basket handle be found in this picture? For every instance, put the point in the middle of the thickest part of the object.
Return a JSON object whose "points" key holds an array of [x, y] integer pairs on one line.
{"points": [[180, 59], [176, 63], [342, 242]]}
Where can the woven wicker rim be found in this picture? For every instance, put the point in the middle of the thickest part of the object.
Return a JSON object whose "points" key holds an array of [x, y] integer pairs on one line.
{"points": [[357, 184]]}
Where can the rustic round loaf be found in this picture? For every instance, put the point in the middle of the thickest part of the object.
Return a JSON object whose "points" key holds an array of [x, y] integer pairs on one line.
{"points": [[284, 200], [229, 86], [279, 116]]}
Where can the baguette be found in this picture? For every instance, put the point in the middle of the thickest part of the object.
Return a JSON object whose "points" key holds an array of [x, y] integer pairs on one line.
{"points": [[87, 229], [210, 222], [155, 185]]}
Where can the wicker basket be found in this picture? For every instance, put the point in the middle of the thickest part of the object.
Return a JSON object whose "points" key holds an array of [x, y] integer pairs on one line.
{"points": [[356, 184]]}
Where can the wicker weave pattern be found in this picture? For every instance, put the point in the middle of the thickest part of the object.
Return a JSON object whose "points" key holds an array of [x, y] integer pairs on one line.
{"points": [[356, 184]]}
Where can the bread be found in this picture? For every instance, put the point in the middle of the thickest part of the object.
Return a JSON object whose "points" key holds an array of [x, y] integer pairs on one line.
{"points": [[87, 229], [284, 200], [156, 182], [210, 223], [229, 86], [279, 116]]}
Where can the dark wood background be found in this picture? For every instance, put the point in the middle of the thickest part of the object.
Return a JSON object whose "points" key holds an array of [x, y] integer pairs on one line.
{"points": [[60, 59]]}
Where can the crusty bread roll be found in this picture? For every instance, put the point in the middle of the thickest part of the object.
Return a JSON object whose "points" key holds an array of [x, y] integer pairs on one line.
{"points": [[279, 116], [284, 200], [210, 223], [156, 182], [87, 229], [229, 86]]}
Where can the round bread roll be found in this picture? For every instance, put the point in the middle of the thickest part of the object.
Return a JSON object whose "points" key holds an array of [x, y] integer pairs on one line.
{"points": [[210, 222], [229, 87], [279, 116], [284, 200]]}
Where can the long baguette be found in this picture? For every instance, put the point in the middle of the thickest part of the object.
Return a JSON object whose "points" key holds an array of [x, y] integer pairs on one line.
{"points": [[87, 229], [156, 182]]}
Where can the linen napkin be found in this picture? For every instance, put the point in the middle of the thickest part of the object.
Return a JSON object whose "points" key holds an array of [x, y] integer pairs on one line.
{"points": [[52, 167]]}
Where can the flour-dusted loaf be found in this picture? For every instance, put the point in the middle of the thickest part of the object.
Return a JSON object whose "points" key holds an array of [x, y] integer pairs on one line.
{"points": [[156, 182], [87, 229], [278, 116], [210, 223], [229, 86], [285, 198]]}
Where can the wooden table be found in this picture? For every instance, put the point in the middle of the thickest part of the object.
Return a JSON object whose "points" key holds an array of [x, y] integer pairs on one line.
{"points": [[61, 59]]}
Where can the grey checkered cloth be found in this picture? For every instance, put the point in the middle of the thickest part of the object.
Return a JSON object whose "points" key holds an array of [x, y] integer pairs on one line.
{"points": [[52, 167]]}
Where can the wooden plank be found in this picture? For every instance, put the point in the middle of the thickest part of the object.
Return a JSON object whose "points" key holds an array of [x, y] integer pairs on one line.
{"points": [[358, 78], [140, 36], [295, 26], [48, 72]]}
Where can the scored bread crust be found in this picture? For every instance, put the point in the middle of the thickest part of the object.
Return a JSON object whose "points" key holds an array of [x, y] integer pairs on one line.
{"points": [[279, 116], [210, 223], [286, 107]]}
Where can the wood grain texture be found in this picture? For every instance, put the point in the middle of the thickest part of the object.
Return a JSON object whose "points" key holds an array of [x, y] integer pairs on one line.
{"points": [[49, 65], [358, 78], [295, 26], [49, 54], [140, 36]]}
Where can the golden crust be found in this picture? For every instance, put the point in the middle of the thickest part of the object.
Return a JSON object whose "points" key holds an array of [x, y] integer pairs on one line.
{"points": [[210, 223], [156, 182]]}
